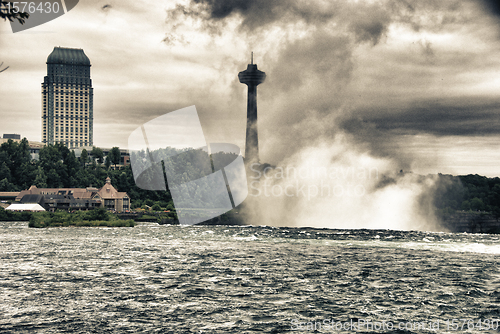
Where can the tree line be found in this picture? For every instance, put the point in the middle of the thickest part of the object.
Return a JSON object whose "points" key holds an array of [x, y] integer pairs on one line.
{"points": [[467, 193], [58, 167]]}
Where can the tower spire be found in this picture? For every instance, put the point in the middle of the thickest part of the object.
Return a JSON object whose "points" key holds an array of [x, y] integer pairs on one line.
{"points": [[252, 58]]}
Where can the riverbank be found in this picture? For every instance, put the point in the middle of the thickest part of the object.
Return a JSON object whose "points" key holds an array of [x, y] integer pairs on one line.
{"points": [[96, 217], [120, 223], [455, 221], [472, 222]]}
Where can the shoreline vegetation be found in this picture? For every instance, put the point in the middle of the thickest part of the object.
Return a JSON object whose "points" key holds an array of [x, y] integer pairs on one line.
{"points": [[84, 223], [102, 217], [96, 217], [459, 221]]}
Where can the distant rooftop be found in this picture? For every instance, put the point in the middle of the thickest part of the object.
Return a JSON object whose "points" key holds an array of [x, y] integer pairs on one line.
{"points": [[68, 56], [32, 144], [11, 136]]}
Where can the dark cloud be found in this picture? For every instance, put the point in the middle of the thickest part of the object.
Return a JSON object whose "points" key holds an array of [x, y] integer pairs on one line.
{"points": [[430, 15], [379, 142], [492, 6], [364, 22], [367, 22], [329, 66], [388, 132], [263, 12], [255, 13], [370, 24], [443, 118], [222, 9]]}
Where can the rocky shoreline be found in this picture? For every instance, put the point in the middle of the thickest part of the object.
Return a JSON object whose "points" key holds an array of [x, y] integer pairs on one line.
{"points": [[472, 222]]}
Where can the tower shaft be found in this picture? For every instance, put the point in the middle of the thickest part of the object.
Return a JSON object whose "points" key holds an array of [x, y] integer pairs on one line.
{"points": [[252, 77], [252, 137]]}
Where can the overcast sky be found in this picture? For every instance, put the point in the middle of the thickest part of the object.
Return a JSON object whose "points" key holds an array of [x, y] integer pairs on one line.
{"points": [[417, 82]]}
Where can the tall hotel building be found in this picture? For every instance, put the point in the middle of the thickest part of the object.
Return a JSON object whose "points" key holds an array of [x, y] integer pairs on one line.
{"points": [[67, 115]]}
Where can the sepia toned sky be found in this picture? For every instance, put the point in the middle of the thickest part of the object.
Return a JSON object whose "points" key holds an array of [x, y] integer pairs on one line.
{"points": [[415, 81]]}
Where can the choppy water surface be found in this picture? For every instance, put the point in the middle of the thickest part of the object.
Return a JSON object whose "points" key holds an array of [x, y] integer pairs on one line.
{"points": [[220, 279]]}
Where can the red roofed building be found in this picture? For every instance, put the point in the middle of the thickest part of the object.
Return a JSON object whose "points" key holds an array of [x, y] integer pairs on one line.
{"points": [[107, 196], [112, 198]]}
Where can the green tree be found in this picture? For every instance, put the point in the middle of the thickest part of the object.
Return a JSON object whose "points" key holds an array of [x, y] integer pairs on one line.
{"points": [[97, 153], [51, 159], [41, 178], [107, 162], [53, 179], [5, 185], [63, 150], [15, 155], [99, 175], [23, 152], [25, 172], [477, 204], [71, 166], [122, 184], [5, 171], [26, 175], [98, 214], [115, 156], [136, 203], [84, 157], [17, 158]]}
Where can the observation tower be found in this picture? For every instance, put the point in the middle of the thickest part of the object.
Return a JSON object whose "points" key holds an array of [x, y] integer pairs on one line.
{"points": [[252, 77]]}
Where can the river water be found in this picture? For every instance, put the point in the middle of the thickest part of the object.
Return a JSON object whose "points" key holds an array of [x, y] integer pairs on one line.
{"points": [[221, 279]]}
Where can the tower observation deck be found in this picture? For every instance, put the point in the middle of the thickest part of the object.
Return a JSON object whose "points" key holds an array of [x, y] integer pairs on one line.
{"points": [[252, 77]]}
